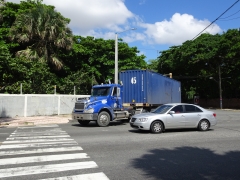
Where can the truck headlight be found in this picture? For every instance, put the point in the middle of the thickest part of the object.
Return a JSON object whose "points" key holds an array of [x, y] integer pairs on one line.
{"points": [[143, 119], [91, 110]]}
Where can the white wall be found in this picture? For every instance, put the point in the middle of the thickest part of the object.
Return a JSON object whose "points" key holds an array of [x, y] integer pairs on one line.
{"points": [[23, 105]]}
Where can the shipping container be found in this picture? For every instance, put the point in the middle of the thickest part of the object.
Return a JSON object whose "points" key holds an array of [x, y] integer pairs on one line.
{"points": [[144, 87]]}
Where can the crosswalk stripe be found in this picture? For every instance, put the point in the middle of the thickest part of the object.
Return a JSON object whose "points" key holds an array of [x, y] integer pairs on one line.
{"points": [[19, 171], [37, 134], [37, 126], [36, 144], [93, 176], [37, 140], [44, 158], [36, 137], [47, 150]]}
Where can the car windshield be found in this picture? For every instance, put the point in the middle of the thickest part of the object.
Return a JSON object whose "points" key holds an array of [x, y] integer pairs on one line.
{"points": [[162, 109], [103, 91]]}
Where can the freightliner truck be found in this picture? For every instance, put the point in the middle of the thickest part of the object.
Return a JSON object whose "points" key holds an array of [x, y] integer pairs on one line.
{"points": [[139, 91]]}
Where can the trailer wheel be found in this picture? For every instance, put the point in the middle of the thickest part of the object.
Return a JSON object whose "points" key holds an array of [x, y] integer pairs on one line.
{"points": [[83, 122], [103, 119]]}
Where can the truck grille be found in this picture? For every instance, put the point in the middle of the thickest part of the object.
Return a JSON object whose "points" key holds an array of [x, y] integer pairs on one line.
{"points": [[79, 106]]}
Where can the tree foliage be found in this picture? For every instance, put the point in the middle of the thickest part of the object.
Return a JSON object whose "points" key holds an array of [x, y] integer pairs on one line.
{"points": [[41, 31], [194, 62], [34, 31]]}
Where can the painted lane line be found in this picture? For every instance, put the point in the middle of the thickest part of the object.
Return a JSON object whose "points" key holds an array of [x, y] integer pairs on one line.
{"points": [[37, 140], [20, 171], [93, 176], [37, 145], [45, 158], [36, 137], [48, 150]]}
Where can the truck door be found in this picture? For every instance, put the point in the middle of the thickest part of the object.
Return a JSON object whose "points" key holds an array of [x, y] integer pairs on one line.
{"points": [[115, 98]]}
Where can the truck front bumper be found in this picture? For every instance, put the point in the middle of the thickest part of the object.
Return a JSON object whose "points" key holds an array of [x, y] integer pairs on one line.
{"points": [[85, 116]]}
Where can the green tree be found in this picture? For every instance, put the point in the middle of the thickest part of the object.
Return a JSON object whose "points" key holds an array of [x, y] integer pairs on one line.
{"points": [[95, 58], [194, 62], [41, 31]]}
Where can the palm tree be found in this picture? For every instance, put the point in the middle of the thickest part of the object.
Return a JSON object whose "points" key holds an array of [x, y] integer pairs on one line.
{"points": [[43, 32]]}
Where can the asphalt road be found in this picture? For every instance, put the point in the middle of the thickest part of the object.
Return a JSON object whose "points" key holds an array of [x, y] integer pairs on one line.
{"points": [[123, 153]]}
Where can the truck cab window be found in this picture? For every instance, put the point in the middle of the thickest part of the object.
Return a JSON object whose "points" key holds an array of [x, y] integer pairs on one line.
{"points": [[115, 91], [100, 91]]}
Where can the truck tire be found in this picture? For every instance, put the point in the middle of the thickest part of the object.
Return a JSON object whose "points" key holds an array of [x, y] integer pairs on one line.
{"points": [[83, 122], [103, 119]]}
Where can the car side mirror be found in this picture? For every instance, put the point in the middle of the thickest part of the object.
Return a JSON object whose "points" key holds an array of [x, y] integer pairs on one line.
{"points": [[171, 112]]}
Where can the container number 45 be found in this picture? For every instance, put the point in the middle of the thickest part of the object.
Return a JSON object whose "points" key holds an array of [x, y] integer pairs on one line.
{"points": [[133, 80]]}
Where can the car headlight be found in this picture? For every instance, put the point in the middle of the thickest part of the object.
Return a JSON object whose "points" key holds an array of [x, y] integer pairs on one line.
{"points": [[91, 110], [143, 119]]}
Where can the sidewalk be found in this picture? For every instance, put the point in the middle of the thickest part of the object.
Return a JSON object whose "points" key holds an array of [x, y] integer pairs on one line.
{"points": [[35, 120]]}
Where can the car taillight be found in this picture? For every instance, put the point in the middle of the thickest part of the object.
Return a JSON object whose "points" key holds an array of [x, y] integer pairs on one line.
{"points": [[214, 114]]}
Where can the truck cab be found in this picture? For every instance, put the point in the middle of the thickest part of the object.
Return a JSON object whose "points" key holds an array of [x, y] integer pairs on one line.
{"points": [[104, 105]]}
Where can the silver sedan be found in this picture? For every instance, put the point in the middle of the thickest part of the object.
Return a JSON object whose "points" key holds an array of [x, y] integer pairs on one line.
{"points": [[174, 115]]}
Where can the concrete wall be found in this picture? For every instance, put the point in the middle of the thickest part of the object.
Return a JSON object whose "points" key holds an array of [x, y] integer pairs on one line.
{"points": [[12, 105]]}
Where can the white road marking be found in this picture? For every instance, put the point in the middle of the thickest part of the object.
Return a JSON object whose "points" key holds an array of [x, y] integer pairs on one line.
{"points": [[44, 158], [93, 176], [37, 134], [33, 151], [38, 126], [36, 137], [36, 144], [20, 171], [37, 140]]}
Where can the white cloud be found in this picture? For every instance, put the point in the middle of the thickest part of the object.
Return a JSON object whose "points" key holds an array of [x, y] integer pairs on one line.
{"points": [[89, 15], [176, 31], [102, 18]]}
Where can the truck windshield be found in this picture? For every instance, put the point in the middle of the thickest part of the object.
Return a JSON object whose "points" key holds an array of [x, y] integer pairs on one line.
{"points": [[162, 109], [102, 91]]}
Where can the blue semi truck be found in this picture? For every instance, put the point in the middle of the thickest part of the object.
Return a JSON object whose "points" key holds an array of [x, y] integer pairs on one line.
{"points": [[139, 91]]}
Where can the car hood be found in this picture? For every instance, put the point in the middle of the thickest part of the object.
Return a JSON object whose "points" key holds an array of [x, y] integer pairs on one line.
{"points": [[145, 115]]}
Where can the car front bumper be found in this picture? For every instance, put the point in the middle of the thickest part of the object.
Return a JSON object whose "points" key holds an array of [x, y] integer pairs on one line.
{"points": [[84, 116], [140, 125]]}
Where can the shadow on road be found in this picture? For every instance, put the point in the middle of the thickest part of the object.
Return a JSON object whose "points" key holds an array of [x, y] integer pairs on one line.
{"points": [[168, 131], [94, 124], [189, 163]]}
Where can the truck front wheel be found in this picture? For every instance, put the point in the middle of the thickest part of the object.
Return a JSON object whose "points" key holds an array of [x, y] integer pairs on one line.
{"points": [[103, 119]]}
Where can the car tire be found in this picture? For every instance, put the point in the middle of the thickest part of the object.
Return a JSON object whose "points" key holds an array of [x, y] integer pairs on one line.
{"points": [[156, 127], [103, 119], [203, 125], [83, 122]]}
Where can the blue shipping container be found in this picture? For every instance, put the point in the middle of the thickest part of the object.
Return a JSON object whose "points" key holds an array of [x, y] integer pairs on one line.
{"points": [[147, 87]]}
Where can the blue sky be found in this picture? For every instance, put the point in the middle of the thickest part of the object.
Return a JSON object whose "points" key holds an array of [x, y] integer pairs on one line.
{"points": [[159, 23]]}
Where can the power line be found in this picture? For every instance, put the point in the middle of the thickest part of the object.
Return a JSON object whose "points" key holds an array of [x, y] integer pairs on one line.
{"points": [[229, 15], [229, 19], [216, 19]]}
